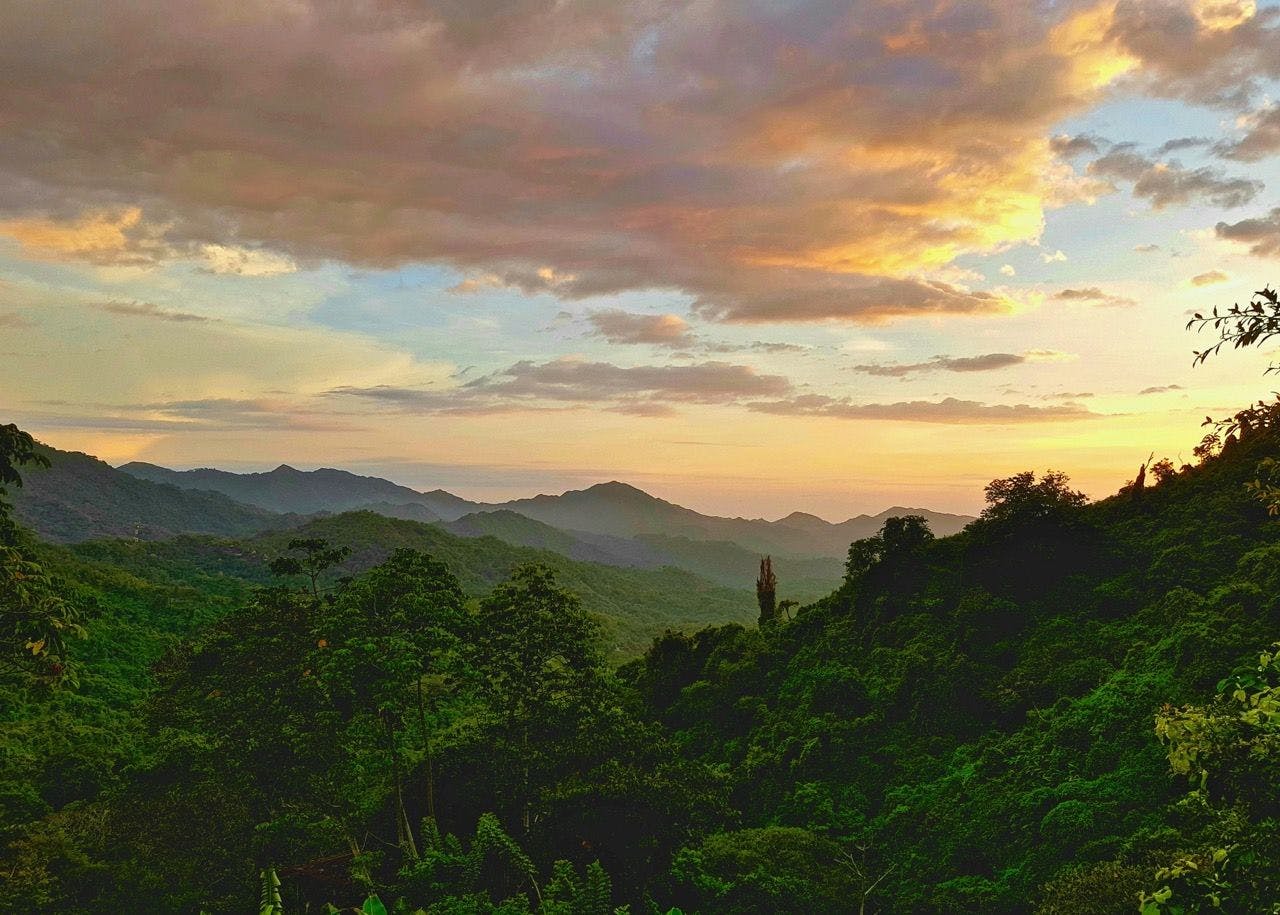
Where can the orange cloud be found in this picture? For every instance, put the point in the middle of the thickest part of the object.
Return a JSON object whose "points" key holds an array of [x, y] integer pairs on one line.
{"points": [[819, 162]]}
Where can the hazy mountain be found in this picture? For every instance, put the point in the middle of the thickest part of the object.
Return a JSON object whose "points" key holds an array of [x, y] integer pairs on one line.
{"points": [[804, 578], [607, 510], [286, 489], [635, 604], [79, 497], [622, 510]]}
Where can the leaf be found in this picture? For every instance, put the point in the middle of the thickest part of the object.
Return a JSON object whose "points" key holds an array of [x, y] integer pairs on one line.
{"points": [[373, 906]]}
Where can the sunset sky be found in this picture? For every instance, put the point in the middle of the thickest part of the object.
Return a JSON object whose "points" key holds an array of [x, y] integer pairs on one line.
{"points": [[752, 257]]}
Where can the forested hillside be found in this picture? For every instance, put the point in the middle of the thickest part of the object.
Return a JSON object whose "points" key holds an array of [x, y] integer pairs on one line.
{"points": [[1067, 707], [77, 497]]}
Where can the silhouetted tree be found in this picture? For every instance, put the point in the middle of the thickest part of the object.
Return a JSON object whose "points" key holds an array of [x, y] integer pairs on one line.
{"points": [[315, 557], [767, 592], [1241, 325]]}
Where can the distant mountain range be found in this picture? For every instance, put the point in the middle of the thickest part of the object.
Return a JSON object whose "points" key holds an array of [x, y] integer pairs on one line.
{"points": [[81, 498], [613, 509]]}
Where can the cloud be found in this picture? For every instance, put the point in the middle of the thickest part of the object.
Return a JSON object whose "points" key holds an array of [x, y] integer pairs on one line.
{"points": [[1209, 278], [165, 367], [1146, 248], [988, 363], [117, 236], [807, 162], [1262, 140], [1181, 143], [1214, 52], [619, 326], [950, 411], [572, 383], [1057, 257], [237, 414], [244, 261], [1161, 389], [1261, 234], [1069, 146], [149, 310], [1008, 270], [1094, 295], [1167, 184]]}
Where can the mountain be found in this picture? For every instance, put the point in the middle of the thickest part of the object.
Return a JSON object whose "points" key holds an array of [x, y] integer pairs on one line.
{"points": [[613, 510], [79, 497], [621, 510], [286, 489], [633, 605]]}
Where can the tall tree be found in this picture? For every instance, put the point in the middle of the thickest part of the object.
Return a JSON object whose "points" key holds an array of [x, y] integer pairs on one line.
{"points": [[536, 653], [377, 641], [767, 592], [36, 619]]}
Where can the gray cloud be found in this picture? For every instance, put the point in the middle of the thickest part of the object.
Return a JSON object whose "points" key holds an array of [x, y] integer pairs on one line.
{"points": [[949, 411], [619, 326], [989, 362], [1068, 146], [1262, 140], [1093, 295], [770, 161], [149, 310], [1208, 53], [1169, 184], [570, 383], [1181, 143], [1161, 389], [1261, 234]]}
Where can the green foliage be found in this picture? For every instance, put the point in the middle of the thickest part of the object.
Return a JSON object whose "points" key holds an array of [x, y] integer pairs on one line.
{"points": [[774, 869], [270, 902], [964, 726], [16, 448], [309, 556]]}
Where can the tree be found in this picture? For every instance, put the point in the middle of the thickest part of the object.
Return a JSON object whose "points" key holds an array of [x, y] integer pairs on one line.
{"points": [[1246, 325], [897, 540], [767, 592], [16, 448], [1020, 499], [539, 670], [35, 617], [312, 557], [376, 642], [1251, 324]]}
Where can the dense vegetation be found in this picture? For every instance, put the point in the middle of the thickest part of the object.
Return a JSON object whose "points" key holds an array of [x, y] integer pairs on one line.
{"points": [[1065, 708]]}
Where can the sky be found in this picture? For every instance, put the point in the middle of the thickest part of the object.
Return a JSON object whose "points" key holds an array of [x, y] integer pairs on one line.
{"points": [[751, 257]]}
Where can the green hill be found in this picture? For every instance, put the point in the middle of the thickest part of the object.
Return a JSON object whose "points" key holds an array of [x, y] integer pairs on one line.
{"points": [[79, 497], [977, 711], [633, 604], [287, 489]]}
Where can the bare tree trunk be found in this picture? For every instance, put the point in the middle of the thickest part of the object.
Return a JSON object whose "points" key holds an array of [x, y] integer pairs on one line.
{"points": [[404, 830], [426, 749]]}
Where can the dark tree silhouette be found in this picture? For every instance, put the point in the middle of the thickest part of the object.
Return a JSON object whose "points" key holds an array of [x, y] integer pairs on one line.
{"points": [[312, 556], [1253, 323], [767, 592]]}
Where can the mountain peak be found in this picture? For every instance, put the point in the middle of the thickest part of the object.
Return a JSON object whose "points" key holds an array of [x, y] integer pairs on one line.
{"points": [[803, 520], [286, 470], [617, 489]]}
